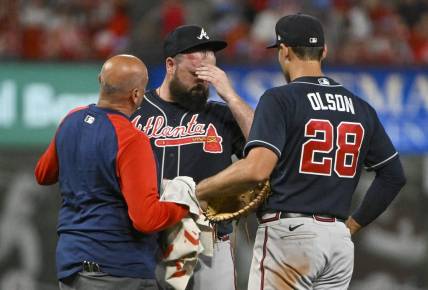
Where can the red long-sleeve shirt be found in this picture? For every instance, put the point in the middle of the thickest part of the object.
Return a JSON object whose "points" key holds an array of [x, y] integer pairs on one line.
{"points": [[136, 173]]}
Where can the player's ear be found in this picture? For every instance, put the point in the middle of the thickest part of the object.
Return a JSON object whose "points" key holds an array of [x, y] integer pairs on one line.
{"points": [[170, 65], [283, 51], [136, 97], [324, 52]]}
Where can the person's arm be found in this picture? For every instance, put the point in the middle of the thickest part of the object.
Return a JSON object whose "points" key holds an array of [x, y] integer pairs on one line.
{"points": [[383, 158], [47, 170], [262, 153], [241, 111], [388, 182], [241, 176], [136, 170]]}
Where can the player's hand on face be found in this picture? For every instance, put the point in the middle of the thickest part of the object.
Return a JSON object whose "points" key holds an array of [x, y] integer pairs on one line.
{"points": [[218, 78]]}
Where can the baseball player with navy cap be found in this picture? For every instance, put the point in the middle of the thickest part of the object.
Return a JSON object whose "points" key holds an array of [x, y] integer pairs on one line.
{"points": [[311, 138], [193, 137]]}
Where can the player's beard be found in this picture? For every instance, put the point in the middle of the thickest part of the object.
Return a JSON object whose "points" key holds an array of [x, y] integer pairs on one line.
{"points": [[193, 99]]}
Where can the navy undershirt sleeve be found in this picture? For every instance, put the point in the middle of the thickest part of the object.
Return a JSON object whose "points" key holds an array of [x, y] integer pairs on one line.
{"points": [[388, 182]]}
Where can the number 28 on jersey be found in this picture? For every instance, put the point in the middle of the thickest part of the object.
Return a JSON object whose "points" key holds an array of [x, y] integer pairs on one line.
{"points": [[315, 151]]}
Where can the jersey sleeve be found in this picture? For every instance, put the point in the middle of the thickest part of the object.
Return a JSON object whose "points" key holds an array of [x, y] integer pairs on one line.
{"points": [[381, 150], [136, 169], [47, 168], [384, 188], [269, 125]]}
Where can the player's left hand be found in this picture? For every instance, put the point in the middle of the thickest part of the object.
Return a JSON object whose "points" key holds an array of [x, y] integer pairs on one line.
{"points": [[352, 225], [218, 79]]}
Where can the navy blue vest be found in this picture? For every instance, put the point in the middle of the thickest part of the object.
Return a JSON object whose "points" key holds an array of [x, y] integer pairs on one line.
{"points": [[93, 219]]}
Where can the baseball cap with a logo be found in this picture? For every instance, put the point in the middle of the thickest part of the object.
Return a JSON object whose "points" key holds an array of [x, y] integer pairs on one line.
{"points": [[299, 30], [189, 37]]}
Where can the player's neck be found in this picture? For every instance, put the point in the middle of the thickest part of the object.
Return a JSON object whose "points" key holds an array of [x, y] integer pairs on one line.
{"points": [[163, 91], [121, 107], [305, 69]]}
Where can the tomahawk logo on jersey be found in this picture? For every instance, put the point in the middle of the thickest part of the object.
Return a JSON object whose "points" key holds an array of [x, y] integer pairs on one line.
{"points": [[330, 134], [184, 141], [193, 132]]}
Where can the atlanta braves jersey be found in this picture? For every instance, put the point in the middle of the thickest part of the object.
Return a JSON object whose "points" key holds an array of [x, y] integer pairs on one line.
{"points": [[190, 144], [322, 135]]}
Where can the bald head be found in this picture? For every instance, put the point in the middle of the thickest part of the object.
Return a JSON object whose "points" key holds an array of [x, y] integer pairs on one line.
{"points": [[122, 79], [121, 73]]}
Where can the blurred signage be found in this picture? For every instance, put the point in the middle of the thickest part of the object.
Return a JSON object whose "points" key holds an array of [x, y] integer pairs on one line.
{"points": [[34, 97]]}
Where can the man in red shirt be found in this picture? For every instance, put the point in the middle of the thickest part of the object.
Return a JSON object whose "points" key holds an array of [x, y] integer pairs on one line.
{"points": [[109, 185]]}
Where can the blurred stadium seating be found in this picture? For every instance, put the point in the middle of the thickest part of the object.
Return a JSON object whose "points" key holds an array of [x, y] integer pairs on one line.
{"points": [[50, 55], [360, 32]]}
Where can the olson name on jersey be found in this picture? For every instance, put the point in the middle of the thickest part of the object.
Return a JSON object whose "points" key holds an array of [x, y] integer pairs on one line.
{"points": [[331, 102]]}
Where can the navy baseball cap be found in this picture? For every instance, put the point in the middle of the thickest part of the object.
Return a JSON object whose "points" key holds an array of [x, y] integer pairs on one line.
{"points": [[189, 37], [299, 30]]}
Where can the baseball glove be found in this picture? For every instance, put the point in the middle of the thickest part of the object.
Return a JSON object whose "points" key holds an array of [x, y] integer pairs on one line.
{"points": [[233, 207]]}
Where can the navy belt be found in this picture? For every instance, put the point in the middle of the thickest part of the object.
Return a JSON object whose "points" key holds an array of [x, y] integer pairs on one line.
{"points": [[283, 215]]}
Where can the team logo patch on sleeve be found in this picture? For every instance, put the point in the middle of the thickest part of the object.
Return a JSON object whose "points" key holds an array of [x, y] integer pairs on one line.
{"points": [[324, 81], [89, 119]]}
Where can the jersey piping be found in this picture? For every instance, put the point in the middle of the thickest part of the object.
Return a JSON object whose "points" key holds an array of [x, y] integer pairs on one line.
{"points": [[166, 123], [179, 146], [382, 162], [264, 142], [315, 84]]}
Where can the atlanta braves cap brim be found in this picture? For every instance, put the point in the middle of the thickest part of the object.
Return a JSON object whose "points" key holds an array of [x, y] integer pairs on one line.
{"points": [[299, 30], [189, 38], [273, 45]]}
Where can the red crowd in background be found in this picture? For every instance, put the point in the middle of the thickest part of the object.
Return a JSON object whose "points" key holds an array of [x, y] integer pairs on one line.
{"points": [[361, 32]]}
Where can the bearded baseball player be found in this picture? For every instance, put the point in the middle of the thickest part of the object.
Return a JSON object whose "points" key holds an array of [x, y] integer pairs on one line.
{"points": [[193, 137], [311, 137]]}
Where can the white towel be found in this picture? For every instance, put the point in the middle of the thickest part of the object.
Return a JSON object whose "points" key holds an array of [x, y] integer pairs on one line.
{"points": [[191, 237], [181, 190]]}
